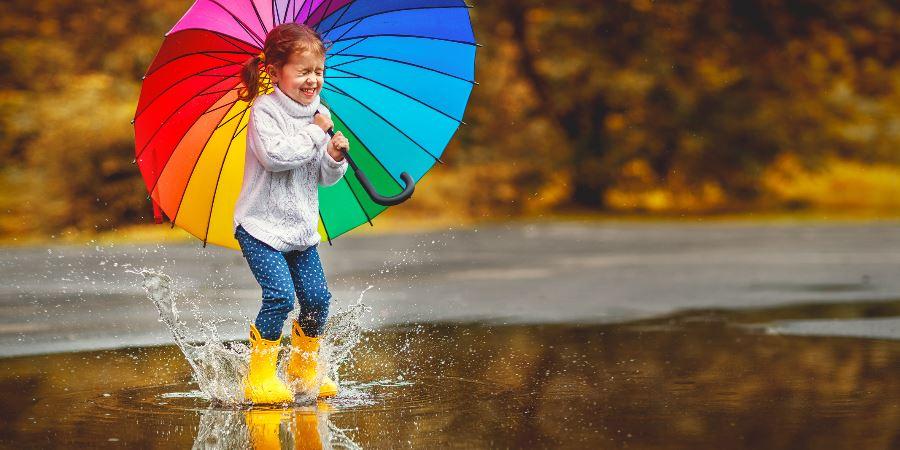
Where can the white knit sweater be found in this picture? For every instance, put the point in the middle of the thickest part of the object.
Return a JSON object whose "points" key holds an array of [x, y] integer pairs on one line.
{"points": [[286, 161]]}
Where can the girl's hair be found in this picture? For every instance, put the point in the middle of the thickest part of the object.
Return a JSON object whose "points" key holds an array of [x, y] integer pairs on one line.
{"points": [[281, 42]]}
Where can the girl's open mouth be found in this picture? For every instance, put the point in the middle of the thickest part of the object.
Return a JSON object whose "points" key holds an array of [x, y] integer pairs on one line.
{"points": [[308, 92]]}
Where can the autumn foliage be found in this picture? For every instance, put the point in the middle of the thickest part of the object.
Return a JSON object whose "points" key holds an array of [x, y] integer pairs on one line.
{"points": [[698, 106]]}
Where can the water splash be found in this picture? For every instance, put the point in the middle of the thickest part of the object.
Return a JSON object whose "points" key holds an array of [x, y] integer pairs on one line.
{"points": [[219, 367], [342, 333]]}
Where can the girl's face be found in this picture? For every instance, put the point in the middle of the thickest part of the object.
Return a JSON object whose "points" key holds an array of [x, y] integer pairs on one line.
{"points": [[301, 77]]}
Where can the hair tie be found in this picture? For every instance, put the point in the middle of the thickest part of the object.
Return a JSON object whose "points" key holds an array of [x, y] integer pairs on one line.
{"points": [[262, 57]]}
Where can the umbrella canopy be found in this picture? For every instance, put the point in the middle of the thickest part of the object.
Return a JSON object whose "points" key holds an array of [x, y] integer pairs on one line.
{"points": [[398, 77]]}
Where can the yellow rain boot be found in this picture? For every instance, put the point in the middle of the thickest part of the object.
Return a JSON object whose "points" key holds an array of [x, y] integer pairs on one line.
{"points": [[306, 431], [265, 428], [262, 385], [303, 367]]}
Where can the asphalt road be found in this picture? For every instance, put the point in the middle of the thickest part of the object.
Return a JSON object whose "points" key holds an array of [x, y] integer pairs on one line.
{"points": [[66, 298]]}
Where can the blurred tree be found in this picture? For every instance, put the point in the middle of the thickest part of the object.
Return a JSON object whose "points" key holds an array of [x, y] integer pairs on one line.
{"points": [[627, 104], [69, 78], [699, 92]]}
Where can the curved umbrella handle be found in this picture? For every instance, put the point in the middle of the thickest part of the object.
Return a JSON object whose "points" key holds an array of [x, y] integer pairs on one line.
{"points": [[370, 189]]}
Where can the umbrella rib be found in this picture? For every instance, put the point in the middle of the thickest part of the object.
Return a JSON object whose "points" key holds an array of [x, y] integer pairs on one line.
{"points": [[287, 5], [225, 105], [383, 167], [166, 164], [219, 177], [239, 22], [225, 122], [221, 36], [202, 92], [221, 91], [345, 32], [208, 75], [163, 123], [327, 7], [401, 93], [407, 63], [410, 36], [193, 168], [391, 11], [316, 9], [341, 91], [258, 16], [358, 202], [327, 234], [275, 17], [213, 32], [229, 104], [349, 46], [211, 54], [228, 40], [347, 62], [160, 94], [308, 13], [345, 8]]}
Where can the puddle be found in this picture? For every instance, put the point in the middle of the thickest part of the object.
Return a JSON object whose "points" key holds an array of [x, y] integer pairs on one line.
{"points": [[700, 379]]}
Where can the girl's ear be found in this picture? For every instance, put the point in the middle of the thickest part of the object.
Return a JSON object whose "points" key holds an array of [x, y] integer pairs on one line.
{"points": [[273, 74]]}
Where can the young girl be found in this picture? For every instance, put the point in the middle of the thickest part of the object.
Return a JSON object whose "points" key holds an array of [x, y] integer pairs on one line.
{"points": [[276, 216]]}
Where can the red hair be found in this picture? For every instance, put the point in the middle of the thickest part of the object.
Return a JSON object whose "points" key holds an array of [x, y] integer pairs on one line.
{"points": [[281, 42]]}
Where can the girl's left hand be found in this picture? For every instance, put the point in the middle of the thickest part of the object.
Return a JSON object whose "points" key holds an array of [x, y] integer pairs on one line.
{"points": [[338, 142]]}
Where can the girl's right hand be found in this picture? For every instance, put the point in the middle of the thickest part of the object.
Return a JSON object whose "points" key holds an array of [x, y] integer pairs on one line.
{"points": [[323, 122]]}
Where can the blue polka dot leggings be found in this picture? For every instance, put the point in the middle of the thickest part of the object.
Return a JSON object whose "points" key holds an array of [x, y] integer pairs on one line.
{"points": [[282, 276]]}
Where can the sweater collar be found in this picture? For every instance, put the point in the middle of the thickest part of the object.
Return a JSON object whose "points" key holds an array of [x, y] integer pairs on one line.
{"points": [[294, 108]]}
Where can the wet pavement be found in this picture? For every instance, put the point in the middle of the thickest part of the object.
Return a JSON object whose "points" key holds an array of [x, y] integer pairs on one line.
{"points": [[554, 335], [67, 298]]}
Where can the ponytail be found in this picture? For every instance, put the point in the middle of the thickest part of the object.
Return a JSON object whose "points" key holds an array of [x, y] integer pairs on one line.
{"points": [[250, 78]]}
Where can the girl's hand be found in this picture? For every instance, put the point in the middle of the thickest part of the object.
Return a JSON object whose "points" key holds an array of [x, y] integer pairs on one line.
{"points": [[323, 122], [336, 144]]}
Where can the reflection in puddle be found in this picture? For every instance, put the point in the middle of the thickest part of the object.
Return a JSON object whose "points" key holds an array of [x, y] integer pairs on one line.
{"points": [[265, 429], [699, 380]]}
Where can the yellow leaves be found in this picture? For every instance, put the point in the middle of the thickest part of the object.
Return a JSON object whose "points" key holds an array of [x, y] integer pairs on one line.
{"points": [[614, 122], [838, 185], [642, 5], [537, 15], [638, 171], [639, 189], [669, 198], [715, 72], [80, 157]]}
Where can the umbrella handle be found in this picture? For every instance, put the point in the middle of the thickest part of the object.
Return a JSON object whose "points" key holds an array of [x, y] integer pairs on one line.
{"points": [[370, 189]]}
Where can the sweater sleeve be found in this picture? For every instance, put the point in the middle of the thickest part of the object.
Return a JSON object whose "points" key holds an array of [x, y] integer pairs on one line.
{"points": [[330, 171], [278, 151]]}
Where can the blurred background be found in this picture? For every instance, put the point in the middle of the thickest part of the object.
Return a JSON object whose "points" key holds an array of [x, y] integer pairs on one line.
{"points": [[635, 108], [639, 335]]}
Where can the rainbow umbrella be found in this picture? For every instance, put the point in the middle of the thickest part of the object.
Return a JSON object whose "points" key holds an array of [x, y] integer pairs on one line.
{"points": [[398, 77]]}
